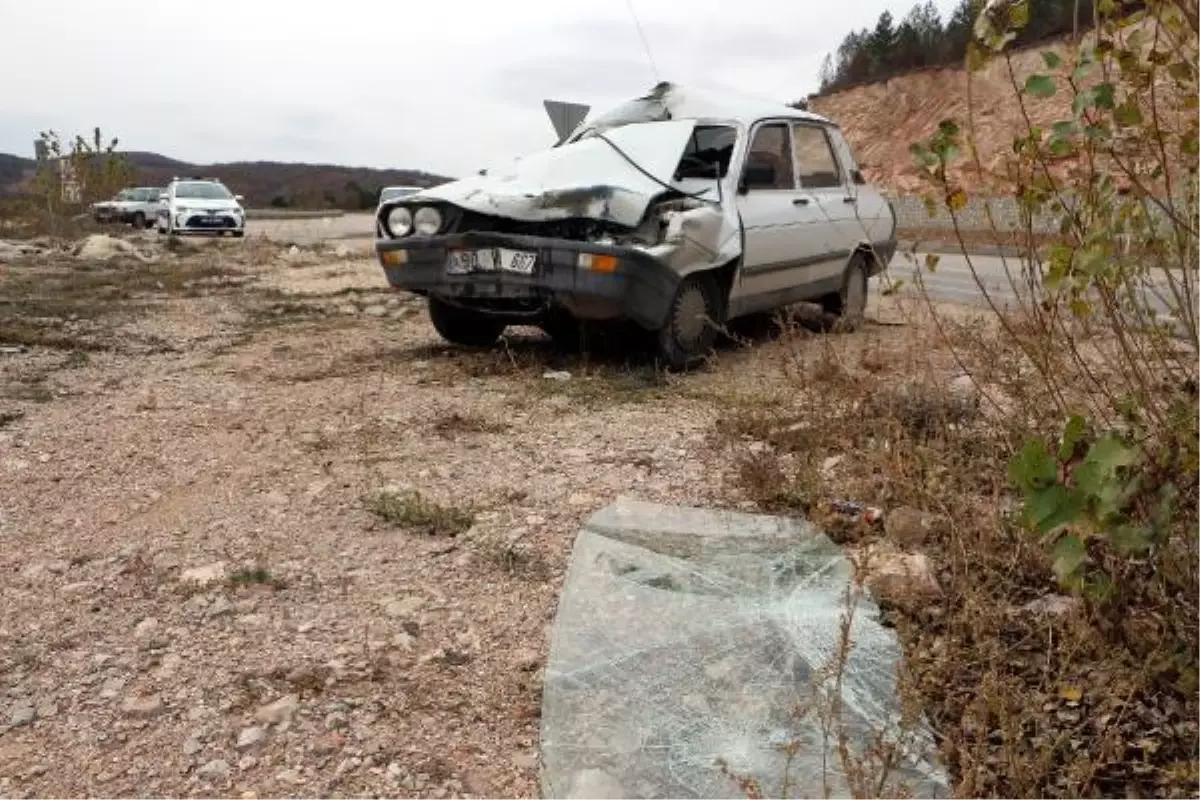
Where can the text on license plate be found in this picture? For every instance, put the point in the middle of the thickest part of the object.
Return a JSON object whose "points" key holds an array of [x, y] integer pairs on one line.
{"points": [[492, 259]]}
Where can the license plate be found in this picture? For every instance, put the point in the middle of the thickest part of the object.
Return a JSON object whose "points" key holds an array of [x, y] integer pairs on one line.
{"points": [[494, 259], [211, 220]]}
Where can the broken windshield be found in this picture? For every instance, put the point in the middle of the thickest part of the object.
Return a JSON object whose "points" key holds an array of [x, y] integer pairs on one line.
{"points": [[707, 155]]}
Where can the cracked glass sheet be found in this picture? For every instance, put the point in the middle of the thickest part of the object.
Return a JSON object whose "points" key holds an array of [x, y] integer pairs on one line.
{"points": [[686, 638]]}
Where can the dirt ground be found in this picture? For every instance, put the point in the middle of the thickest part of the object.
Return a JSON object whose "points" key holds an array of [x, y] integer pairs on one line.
{"points": [[191, 454]]}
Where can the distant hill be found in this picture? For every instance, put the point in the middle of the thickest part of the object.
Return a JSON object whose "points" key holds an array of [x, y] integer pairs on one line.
{"points": [[263, 183]]}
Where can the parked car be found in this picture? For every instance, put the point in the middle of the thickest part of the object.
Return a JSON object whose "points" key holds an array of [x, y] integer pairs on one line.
{"points": [[391, 193], [678, 210], [137, 207], [200, 205]]}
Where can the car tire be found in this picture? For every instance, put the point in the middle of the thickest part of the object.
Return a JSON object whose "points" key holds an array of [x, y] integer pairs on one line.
{"points": [[693, 322], [463, 326], [138, 220], [848, 306], [238, 234]]}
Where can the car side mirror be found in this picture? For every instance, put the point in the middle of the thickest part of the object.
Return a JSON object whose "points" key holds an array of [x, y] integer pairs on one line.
{"points": [[757, 176], [238, 197]]}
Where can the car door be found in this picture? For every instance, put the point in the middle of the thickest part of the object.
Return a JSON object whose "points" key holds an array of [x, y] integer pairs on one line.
{"points": [[824, 182], [777, 219]]}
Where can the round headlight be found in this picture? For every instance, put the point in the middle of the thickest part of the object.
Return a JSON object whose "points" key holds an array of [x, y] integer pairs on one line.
{"points": [[427, 221], [400, 221]]}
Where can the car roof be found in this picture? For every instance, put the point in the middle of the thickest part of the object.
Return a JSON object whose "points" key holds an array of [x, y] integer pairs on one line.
{"points": [[673, 101]]}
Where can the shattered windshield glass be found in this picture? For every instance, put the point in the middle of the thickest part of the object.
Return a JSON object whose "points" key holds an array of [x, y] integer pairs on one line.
{"points": [[691, 651]]}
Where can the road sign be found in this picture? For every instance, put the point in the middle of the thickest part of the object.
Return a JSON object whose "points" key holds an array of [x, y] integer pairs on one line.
{"points": [[565, 117]]}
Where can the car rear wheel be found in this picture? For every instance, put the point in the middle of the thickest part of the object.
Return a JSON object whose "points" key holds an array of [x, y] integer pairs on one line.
{"points": [[849, 305], [462, 326], [138, 221], [692, 323]]}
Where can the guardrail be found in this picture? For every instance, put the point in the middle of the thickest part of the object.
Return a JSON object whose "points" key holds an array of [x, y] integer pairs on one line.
{"points": [[283, 213]]}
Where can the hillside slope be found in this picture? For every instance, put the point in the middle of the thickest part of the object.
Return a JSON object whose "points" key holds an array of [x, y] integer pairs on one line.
{"points": [[263, 183], [882, 119]]}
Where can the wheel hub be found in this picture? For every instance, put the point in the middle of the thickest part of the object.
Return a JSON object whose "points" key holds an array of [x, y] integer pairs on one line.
{"points": [[691, 316]]}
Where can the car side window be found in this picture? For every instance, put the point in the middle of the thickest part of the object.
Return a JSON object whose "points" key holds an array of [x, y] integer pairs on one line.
{"points": [[817, 166], [771, 148]]}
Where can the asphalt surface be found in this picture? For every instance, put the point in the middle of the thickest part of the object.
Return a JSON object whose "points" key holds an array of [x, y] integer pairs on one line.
{"points": [[984, 277]]}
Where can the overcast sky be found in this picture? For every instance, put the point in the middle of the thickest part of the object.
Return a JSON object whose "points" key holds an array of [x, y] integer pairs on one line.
{"points": [[447, 86]]}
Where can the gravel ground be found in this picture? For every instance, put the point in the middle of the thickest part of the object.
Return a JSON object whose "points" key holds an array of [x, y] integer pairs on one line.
{"points": [[198, 600]]}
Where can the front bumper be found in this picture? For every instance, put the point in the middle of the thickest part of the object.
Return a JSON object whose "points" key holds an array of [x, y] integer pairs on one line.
{"points": [[208, 222], [636, 283]]}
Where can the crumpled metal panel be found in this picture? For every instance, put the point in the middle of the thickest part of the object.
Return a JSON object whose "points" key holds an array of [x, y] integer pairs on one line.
{"points": [[587, 179], [687, 638]]}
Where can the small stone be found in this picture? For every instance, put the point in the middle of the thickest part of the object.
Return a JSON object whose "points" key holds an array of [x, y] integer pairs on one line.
{"points": [[111, 688], [205, 575], [289, 776], [528, 660], [404, 606], [328, 744], [895, 575], [527, 760], [192, 746], [251, 738], [215, 770], [964, 389], [58, 567], [1054, 605], [911, 527], [279, 711], [145, 627], [375, 311], [47, 709], [144, 706], [830, 464], [556, 375], [247, 762], [220, 607], [22, 714], [336, 720]]}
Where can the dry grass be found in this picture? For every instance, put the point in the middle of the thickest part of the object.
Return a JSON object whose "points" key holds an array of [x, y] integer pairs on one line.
{"points": [[1098, 701], [413, 511]]}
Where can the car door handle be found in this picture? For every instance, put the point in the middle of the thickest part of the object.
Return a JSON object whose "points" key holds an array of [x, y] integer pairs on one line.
{"points": [[800, 201], [849, 199]]}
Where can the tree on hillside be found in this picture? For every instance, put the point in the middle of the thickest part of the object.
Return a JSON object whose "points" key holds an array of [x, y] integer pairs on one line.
{"points": [[921, 39]]}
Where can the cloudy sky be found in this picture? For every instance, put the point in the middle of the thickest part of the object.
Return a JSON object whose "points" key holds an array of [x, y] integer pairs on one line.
{"points": [[448, 86]]}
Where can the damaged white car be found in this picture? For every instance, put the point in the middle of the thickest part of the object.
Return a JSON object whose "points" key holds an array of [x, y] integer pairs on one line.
{"points": [[678, 210]]}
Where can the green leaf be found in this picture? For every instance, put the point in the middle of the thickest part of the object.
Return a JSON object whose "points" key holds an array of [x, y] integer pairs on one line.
{"points": [[1052, 59], [931, 261], [1040, 86], [1051, 508], [1128, 114], [1104, 95], [948, 128], [1069, 555], [1082, 102], [1064, 129], [1018, 14], [888, 291], [1073, 433], [1033, 468], [1111, 453], [1129, 539]]}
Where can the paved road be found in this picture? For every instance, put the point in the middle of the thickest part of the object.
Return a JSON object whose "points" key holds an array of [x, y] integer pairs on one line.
{"points": [[310, 231], [953, 280]]}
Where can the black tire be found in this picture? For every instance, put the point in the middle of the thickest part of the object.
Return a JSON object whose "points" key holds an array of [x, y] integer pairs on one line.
{"points": [[693, 322], [138, 220], [847, 308], [238, 234], [567, 332], [463, 326]]}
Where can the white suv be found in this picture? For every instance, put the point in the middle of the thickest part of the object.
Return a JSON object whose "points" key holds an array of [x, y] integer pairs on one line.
{"points": [[200, 205]]}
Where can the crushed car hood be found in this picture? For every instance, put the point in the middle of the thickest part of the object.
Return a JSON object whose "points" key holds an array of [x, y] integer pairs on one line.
{"points": [[611, 181]]}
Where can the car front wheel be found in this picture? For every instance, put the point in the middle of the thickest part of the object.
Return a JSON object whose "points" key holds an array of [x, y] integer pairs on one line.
{"points": [[462, 326], [692, 322]]}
